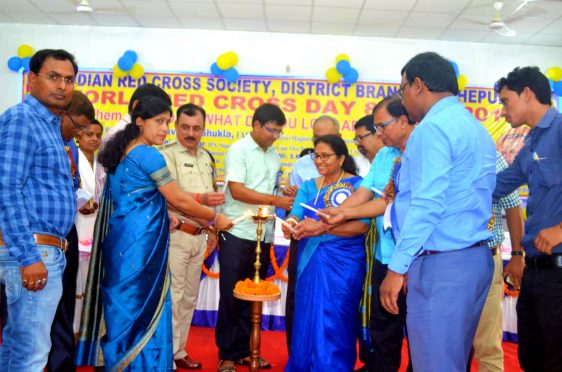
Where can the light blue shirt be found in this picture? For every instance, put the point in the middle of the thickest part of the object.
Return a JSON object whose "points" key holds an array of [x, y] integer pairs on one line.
{"points": [[447, 177], [303, 170], [378, 177], [258, 170]]}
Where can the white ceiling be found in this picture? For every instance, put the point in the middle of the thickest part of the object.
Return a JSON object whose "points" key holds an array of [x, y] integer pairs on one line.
{"points": [[539, 22]]}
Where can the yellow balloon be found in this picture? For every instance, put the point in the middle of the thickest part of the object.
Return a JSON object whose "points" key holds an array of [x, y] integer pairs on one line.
{"points": [[118, 72], [224, 62], [332, 75], [554, 73], [232, 58], [341, 57], [137, 71], [462, 80], [24, 51]]}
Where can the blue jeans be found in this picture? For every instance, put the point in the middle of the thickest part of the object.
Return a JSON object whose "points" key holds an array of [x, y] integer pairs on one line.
{"points": [[26, 337]]}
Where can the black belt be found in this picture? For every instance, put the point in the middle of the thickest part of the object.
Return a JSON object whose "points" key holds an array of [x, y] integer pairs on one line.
{"points": [[544, 262], [428, 252]]}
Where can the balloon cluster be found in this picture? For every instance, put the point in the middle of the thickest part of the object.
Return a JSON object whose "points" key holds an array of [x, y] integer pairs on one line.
{"points": [[554, 75], [127, 65], [461, 79], [224, 66], [342, 69], [15, 63]]}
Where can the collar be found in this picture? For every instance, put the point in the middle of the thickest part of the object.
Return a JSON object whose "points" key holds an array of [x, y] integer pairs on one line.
{"points": [[547, 119], [440, 105], [254, 145], [39, 108]]}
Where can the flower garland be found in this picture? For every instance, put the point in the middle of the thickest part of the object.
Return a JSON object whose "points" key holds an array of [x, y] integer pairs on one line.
{"points": [[510, 292], [247, 286], [278, 270]]}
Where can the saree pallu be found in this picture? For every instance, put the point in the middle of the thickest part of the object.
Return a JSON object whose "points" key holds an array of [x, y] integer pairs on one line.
{"points": [[329, 285]]}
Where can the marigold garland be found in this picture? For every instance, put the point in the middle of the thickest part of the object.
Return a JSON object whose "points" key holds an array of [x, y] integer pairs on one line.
{"points": [[510, 292], [263, 288], [278, 270]]}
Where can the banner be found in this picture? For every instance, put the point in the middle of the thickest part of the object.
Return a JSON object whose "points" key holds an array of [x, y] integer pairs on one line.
{"points": [[230, 106]]}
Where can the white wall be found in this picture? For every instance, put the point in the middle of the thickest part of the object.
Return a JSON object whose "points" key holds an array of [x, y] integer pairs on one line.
{"points": [[309, 56]]}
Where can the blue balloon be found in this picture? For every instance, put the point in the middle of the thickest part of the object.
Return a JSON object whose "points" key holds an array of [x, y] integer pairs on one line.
{"points": [[132, 55], [25, 63], [558, 88], [551, 83], [125, 63], [351, 77], [216, 70], [343, 67], [456, 68], [14, 63], [231, 75]]}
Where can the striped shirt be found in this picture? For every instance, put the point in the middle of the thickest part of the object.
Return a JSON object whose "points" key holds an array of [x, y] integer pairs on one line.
{"points": [[36, 192]]}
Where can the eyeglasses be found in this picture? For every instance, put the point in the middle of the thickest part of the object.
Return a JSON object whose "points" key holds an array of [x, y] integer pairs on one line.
{"points": [[275, 132], [75, 124], [360, 138], [322, 157], [400, 91], [57, 78], [380, 127]]}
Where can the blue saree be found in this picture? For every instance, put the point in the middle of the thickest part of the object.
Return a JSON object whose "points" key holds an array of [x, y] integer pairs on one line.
{"points": [[330, 272], [135, 282]]}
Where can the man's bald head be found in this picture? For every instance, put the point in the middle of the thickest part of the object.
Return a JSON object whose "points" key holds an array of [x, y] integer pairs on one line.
{"points": [[325, 125]]}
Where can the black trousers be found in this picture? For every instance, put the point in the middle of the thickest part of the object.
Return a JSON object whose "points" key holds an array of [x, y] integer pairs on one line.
{"points": [[291, 284], [387, 330], [236, 259], [539, 320], [63, 349]]}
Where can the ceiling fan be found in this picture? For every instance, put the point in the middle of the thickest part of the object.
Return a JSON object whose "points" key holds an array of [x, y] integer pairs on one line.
{"points": [[497, 23], [84, 6]]}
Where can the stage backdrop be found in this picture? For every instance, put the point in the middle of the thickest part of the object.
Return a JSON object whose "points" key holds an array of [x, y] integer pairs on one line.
{"points": [[230, 105]]}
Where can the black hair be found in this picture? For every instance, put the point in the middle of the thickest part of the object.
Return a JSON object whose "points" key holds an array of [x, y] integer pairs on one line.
{"points": [[40, 56], [112, 153], [366, 122], [149, 90], [269, 112], [97, 122], [531, 77], [435, 71], [337, 144], [191, 109], [81, 105], [306, 151], [394, 106]]}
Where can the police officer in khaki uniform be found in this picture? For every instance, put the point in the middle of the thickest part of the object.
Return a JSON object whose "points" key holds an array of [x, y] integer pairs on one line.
{"points": [[193, 169]]}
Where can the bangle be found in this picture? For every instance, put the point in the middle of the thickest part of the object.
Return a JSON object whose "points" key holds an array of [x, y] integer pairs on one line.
{"points": [[518, 253], [292, 219]]}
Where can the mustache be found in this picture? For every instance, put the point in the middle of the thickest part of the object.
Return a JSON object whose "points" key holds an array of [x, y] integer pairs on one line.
{"points": [[189, 138]]}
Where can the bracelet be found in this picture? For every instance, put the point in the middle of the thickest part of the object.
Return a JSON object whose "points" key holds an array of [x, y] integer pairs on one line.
{"points": [[293, 219], [518, 253]]}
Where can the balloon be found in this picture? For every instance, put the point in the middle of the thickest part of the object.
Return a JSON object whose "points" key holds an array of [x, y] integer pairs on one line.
{"points": [[231, 75], [558, 88], [551, 83], [456, 68], [351, 77], [14, 63], [25, 63], [137, 71], [125, 63], [462, 80], [342, 57], [554, 73], [232, 58], [215, 70], [25, 50], [343, 67], [132, 55], [332, 75], [118, 72]]}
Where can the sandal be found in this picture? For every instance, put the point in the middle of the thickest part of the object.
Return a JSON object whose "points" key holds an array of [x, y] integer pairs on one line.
{"points": [[264, 364], [226, 368]]}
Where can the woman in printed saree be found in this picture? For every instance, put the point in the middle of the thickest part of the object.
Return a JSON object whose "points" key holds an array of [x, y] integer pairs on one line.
{"points": [[135, 281], [330, 266]]}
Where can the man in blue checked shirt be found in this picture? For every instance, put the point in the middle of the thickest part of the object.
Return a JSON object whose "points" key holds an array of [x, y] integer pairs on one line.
{"points": [[440, 218], [526, 98], [37, 209]]}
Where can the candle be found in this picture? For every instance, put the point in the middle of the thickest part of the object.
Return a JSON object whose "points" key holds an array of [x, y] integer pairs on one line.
{"points": [[241, 218], [284, 223], [225, 185], [314, 210], [377, 191]]}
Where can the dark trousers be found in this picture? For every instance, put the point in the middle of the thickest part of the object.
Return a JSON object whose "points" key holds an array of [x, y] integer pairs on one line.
{"points": [[539, 320], [236, 259], [291, 284], [387, 330], [63, 349]]}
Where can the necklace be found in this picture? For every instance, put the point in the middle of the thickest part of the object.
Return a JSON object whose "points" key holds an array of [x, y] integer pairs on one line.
{"points": [[322, 184]]}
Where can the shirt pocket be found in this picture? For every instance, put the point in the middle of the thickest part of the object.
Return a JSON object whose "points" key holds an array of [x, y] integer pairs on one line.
{"points": [[549, 174]]}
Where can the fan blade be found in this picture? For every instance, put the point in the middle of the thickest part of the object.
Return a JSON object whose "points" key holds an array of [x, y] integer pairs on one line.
{"points": [[506, 31]]}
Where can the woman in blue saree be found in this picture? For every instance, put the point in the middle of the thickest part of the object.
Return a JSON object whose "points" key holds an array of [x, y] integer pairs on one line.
{"points": [[330, 266], [135, 282]]}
